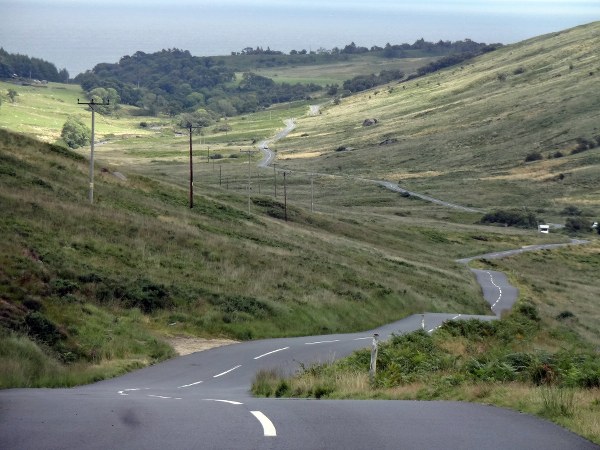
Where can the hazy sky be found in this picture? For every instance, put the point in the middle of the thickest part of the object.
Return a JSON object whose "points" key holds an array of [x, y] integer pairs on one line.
{"points": [[545, 7], [78, 34]]}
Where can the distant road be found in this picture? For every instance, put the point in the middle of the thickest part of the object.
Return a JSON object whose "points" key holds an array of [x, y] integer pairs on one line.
{"points": [[269, 158], [268, 155]]}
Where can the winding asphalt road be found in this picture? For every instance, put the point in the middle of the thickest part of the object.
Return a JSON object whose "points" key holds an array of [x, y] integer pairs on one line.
{"points": [[202, 401]]}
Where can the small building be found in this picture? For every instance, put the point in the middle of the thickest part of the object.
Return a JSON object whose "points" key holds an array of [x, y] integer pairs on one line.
{"points": [[544, 229]]}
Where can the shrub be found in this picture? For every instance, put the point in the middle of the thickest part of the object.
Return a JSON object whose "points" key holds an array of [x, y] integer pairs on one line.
{"points": [[511, 218], [558, 154], [571, 211], [583, 144], [528, 310], [75, 133], [564, 315], [575, 224], [533, 156], [41, 328]]}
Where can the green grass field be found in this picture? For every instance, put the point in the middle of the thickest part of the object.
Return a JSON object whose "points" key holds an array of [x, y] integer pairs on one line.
{"points": [[337, 73]]}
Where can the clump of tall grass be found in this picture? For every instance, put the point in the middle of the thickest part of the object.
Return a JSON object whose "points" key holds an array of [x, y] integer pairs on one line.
{"points": [[557, 401]]}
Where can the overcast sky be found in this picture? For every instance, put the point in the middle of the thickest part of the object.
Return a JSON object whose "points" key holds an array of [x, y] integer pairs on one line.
{"points": [[491, 6]]}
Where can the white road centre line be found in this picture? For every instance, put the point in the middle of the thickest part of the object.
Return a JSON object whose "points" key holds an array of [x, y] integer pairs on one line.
{"points": [[498, 287], [231, 402], [363, 339], [268, 427], [124, 391], [162, 396], [270, 353], [188, 385], [227, 371], [440, 326], [321, 342]]}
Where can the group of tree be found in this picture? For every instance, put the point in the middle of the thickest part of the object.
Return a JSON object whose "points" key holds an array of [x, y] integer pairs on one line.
{"points": [[174, 82], [388, 51], [23, 66], [455, 58], [364, 82]]}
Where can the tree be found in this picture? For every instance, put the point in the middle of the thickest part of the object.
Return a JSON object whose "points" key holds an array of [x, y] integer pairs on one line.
{"points": [[75, 133], [63, 76], [101, 95], [200, 118]]}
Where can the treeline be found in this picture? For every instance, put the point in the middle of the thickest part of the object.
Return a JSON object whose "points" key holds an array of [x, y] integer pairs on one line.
{"points": [[260, 58], [454, 59], [173, 81], [23, 66], [364, 82], [389, 50]]}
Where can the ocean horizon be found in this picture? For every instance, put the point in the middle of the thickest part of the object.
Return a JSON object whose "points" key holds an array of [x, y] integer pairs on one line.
{"points": [[78, 36]]}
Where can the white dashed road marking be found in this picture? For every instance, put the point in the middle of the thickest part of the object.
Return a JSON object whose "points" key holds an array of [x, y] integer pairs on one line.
{"points": [[440, 325], [231, 402], [270, 353], [497, 287], [124, 391], [321, 342], [188, 385], [227, 371]]}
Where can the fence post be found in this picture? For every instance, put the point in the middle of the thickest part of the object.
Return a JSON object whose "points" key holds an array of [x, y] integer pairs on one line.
{"points": [[373, 367]]}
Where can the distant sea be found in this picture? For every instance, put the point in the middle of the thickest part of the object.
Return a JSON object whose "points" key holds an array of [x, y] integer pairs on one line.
{"points": [[77, 36]]}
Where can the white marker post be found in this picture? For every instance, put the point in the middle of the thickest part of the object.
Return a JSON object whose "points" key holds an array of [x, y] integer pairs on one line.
{"points": [[373, 367], [422, 321]]}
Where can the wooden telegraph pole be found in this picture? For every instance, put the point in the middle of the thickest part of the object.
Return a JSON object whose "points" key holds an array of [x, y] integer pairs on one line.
{"points": [[249, 152], [91, 104], [285, 195], [190, 127]]}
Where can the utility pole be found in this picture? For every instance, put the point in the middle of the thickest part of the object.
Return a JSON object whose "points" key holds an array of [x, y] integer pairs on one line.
{"points": [[190, 127], [91, 104], [249, 152], [312, 195], [285, 195]]}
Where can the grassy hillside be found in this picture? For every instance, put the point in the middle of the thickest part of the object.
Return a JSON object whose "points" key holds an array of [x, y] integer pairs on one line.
{"points": [[101, 284], [87, 291], [464, 134]]}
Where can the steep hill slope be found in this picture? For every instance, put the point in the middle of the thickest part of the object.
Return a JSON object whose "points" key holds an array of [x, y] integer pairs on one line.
{"points": [[464, 134]]}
